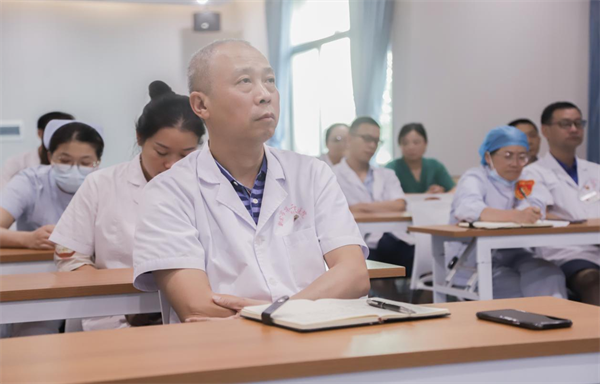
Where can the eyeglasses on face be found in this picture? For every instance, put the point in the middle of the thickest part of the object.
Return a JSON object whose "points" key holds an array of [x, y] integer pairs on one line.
{"points": [[567, 124], [370, 139], [509, 157], [85, 163]]}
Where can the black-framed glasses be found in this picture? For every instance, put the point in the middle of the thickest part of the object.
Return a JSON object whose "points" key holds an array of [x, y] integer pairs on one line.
{"points": [[566, 124], [370, 139]]}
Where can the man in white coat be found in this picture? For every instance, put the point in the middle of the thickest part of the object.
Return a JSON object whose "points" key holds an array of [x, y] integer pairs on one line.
{"points": [[574, 187], [374, 189], [239, 223]]}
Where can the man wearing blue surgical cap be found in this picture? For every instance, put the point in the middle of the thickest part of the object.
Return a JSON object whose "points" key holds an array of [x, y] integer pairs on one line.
{"points": [[494, 192]]}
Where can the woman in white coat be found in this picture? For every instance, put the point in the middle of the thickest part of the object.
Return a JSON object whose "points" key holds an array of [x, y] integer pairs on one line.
{"points": [[36, 197], [96, 230], [491, 192], [17, 163]]}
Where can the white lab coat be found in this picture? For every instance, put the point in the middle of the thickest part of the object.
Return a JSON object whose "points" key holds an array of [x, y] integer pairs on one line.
{"points": [[325, 157], [17, 163], [564, 201], [386, 187], [192, 217], [99, 224], [515, 272]]}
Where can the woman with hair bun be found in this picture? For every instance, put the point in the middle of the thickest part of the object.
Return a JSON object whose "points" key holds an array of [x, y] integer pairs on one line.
{"points": [[96, 230]]}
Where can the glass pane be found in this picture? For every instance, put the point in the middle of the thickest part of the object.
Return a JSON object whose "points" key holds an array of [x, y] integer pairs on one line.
{"points": [[305, 104], [313, 20], [335, 89]]}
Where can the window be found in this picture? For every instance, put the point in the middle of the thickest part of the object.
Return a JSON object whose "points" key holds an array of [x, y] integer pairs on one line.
{"points": [[321, 77], [321, 83]]}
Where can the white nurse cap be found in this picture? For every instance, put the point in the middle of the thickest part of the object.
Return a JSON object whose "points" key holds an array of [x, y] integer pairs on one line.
{"points": [[55, 125]]}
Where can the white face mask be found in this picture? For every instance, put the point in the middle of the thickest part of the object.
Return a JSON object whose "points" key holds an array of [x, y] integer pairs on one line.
{"points": [[496, 176], [69, 177]]}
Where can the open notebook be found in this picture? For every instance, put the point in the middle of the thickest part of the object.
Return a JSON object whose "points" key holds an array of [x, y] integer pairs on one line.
{"points": [[498, 225], [308, 315]]}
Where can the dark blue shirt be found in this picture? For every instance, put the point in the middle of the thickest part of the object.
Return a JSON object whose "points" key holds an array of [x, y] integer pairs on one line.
{"points": [[252, 199], [571, 171]]}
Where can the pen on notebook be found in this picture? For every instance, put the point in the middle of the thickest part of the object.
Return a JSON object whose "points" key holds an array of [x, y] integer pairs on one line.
{"points": [[388, 306]]}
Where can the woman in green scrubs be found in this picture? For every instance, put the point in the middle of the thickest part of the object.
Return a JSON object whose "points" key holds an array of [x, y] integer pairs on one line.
{"points": [[418, 174]]}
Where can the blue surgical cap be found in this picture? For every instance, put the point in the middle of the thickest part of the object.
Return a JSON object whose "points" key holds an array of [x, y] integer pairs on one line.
{"points": [[502, 137]]}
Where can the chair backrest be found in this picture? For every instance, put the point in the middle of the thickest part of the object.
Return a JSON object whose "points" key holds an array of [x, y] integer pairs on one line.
{"points": [[427, 212]]}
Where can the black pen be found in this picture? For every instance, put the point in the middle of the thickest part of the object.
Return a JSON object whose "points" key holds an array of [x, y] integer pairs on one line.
{"points": [[388, 306]]}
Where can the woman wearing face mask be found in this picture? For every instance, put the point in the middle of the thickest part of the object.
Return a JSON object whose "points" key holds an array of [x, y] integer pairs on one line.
{"points": [[492, 192], [416, 173], [96, 230], [36, 197]]}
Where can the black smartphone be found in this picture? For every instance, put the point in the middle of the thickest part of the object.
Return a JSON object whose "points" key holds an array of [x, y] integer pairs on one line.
{"points": [[524, 319]]}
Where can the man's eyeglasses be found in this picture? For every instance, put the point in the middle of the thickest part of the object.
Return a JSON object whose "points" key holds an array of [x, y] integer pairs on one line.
{"points": [[566, 124], [337, 139], [370, 139]]}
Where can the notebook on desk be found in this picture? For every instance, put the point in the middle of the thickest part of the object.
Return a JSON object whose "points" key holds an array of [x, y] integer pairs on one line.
{"points": [[499, 225], [309, 315]]}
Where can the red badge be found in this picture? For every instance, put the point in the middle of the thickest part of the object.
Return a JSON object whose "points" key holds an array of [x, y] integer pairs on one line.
{"points": [[523, 185]]}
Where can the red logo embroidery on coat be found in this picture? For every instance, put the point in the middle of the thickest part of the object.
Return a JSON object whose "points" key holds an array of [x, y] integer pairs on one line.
{"points": [[291, 209], [63, 252], [526, 186]]}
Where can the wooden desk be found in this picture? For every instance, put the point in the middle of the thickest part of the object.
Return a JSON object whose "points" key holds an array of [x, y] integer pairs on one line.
{"points": [[104, 292], [71, 295], [487, 240], [382, 222], [18, 260], [460, 348], [379, 270]]}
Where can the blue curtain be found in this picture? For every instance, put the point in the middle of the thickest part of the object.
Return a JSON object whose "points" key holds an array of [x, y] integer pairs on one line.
{"points": [[593, 150], [279, 17], [370, 27]]}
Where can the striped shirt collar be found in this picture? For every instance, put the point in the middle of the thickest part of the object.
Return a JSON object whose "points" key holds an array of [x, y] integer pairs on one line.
{"points": [[251, 198]]}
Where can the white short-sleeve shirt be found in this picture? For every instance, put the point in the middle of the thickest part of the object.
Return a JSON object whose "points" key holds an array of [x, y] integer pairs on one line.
{"points": [[100, 221], [191, 217], [385, 187], [33, 198]]}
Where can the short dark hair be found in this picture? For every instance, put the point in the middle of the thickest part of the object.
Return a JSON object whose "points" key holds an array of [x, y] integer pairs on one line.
{"points": [[41, 124], [516, 122], [167, 109], [330, 129], [77, 131], [549, 110], [363, 120], [408, 128]]}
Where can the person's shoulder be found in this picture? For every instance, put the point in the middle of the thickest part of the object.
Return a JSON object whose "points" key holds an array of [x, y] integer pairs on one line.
{"points": [[393, 164], [109, 174], [433, 163], [385, 172], [183, 174], [478, 173], [292, 160], [37, 172], [588, 164]]}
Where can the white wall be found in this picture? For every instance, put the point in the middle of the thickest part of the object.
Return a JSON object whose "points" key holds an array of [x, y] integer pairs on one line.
{"points": [[96, 59], [463, 68]]}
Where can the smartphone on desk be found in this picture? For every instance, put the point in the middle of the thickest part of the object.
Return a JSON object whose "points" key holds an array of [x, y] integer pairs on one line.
{"points": [[524, 319]]}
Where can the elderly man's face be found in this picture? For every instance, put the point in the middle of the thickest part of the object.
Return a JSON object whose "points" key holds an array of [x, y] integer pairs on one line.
{"points": [[243, 102]]}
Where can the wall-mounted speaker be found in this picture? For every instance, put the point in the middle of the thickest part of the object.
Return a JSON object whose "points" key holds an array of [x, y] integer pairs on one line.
{"points": [[207, 21]]}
